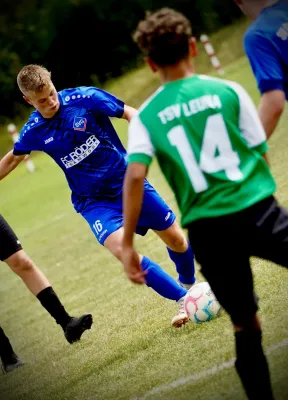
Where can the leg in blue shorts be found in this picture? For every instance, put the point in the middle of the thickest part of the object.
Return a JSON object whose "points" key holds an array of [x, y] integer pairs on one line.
{"points": [[106, 221]]}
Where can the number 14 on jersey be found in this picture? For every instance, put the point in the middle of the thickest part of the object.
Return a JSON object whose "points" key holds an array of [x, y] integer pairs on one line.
{"points": [[216, 153]]}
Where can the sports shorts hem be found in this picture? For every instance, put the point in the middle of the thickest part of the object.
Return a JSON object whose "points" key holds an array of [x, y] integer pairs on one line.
{"points": [[9, 243]]}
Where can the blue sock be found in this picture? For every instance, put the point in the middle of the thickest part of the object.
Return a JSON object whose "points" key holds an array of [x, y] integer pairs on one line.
{"points": [[184, 263], [161, 282]]}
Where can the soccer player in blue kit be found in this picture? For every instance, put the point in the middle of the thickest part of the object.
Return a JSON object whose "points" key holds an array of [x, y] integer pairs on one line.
{"points": [[73, 127], [266, 46]]}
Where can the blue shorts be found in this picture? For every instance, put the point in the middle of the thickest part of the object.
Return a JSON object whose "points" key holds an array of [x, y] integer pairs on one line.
{"points": [[105, 217]]}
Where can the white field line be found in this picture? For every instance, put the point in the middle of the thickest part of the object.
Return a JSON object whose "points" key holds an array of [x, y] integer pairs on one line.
{"points": [[204, 374]]}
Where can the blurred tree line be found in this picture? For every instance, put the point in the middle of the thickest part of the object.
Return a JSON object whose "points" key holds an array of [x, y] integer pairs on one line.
{"points": [[84, 42]]}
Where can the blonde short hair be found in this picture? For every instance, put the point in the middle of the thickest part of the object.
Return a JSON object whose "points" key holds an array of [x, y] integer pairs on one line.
{"points": [[33, 78]]}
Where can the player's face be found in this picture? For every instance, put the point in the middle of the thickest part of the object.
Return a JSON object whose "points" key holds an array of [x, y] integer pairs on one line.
{"points": [[46, 101]]}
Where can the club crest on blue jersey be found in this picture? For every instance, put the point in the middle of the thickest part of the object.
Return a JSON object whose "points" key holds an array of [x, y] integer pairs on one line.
{"points": [[79, 124]]}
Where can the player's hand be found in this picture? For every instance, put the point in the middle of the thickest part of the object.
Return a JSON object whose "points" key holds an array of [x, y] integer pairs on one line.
{"points": [[132, 266]]}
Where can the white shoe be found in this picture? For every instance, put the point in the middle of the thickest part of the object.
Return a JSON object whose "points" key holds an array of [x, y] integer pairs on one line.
{"points": [[181, 318]]}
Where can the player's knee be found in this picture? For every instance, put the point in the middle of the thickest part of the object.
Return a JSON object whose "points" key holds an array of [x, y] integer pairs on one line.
{"points": [[177, 240], [179, 243], [20, 263]]}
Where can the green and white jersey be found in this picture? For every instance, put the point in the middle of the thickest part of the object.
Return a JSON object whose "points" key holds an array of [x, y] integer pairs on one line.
{"points": [[209, 141]]}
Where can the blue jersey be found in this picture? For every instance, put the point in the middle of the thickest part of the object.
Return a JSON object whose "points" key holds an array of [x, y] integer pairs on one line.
{"points": [[82, 141], [266, 45]]}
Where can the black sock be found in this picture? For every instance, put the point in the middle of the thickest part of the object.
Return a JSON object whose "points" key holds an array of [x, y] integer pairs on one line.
{"points": [[6, 350], [49, 300], [251, 365]]}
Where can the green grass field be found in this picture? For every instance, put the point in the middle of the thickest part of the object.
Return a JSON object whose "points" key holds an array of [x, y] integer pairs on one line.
{"points": [[131, 352]]}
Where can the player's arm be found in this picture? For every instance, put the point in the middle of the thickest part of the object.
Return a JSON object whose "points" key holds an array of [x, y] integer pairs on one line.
{"points": [[271, 107], [133, 196], [9, 163], [107, 104], [132, 202], [267, 67], [129, 112], [140, 153]]}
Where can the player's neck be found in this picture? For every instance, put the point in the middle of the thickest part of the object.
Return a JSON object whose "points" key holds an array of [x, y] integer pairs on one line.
{"points": [[183, 69], [270, 3], [259, 6]]}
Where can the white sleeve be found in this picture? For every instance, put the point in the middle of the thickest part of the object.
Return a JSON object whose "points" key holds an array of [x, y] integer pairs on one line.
{"points": [[139, 139], [249, 121]]}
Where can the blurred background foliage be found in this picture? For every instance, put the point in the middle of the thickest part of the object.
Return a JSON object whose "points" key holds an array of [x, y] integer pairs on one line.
{"points": [[84, 42]]}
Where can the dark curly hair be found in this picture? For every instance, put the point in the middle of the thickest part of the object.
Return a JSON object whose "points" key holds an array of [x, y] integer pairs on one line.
{"points": [[163, 36]]}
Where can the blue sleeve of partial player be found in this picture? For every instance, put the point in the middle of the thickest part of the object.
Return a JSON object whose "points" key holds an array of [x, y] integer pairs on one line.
{"points": [[105, 103], [22, 147], [26, 142], [265, 62]]}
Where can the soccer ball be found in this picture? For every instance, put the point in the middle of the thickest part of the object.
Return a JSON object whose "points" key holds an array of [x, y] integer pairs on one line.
{"points": [[200, 303]]}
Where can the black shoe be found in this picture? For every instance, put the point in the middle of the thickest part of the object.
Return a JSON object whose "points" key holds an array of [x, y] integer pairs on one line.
{"points": [[77, 326], [12, 363]]}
